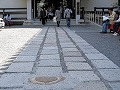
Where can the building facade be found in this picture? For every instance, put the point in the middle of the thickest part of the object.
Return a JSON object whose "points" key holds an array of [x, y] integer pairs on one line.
{"points": [[33, 5]]}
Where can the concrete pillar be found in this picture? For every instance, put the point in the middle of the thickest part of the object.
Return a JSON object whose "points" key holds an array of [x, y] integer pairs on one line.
{"points": [[77, 11], [118, 2], [29, 9]]}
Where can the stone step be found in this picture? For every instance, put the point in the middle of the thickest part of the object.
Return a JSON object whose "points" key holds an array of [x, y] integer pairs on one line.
{"points": [[50, 22]]}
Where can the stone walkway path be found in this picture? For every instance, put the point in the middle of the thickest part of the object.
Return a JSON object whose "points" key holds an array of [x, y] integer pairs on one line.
{"points": [[59, 52]]}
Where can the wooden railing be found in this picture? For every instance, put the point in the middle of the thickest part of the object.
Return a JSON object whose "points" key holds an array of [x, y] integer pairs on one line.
{"points": [[96, 15]]}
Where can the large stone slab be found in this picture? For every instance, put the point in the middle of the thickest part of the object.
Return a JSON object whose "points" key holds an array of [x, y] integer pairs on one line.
{"points": [[33, 46], [49, 52], [91, 85], [47, 42], [69, 49], [96, 56], [50, 47], [30, 49], [20, 67], [68, 46], [74, 59], [50, 57], [49, 63], [90, 51], [103, 64], [36, 43], [13, 80], [84, 44], [110, 74], [49, 71], [78, 66], [72, 54], [25, 59], [29, 53], [84, 75], [86, 47], [115, 85]]}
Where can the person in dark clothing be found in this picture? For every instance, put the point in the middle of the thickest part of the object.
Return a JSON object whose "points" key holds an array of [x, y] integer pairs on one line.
{"points": [[43, 16], [116, 24]]}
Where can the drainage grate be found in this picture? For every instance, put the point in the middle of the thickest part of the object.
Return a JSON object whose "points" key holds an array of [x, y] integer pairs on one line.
{"points": [[46, 80]]}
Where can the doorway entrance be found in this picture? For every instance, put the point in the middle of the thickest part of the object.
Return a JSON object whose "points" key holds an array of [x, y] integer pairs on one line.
{"points": [[37, 4]]}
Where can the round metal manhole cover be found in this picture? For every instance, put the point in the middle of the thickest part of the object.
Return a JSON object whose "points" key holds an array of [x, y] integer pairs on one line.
{"points": [[46, 80]]}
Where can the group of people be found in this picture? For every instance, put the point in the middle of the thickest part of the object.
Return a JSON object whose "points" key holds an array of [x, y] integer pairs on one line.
{"points": [[6, 20], [58, 16], [113, 19]]}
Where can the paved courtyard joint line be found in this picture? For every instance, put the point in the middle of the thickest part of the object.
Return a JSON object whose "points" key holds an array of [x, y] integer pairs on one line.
{"points": [[59, 52]]}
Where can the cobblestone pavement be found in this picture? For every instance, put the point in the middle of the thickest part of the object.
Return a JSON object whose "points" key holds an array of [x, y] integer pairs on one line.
{"points": [[59, 52]]}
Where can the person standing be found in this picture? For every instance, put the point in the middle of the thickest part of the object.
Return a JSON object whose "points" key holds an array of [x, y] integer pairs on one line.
{"points": [[43, 16], [67, 15], [58, 16]]}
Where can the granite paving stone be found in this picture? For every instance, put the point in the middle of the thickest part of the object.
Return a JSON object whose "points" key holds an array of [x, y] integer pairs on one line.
{"points": [[78, 66], [25, 59], [90, 51], [91, 85], [86, 47], [49, 57], [74, 59], [84, 75], [83, 44], [103, 64], [33, 46], [44, 52], [73, 54], [69, 49], [30, 49], [96, 56], [20, 67], [30, 53], [115, 85], [49, 63], [50, 47], [35, 42], [49, 71], [69, 45], [110, 74], [13, 80]]}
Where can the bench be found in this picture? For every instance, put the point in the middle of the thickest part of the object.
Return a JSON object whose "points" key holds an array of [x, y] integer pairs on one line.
{"points": [[16, 22]]}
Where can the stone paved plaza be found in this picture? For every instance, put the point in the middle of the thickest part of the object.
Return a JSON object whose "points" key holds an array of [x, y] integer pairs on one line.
{"points": [[59, 52]]}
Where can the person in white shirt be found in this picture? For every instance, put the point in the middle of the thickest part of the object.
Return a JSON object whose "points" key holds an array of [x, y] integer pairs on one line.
{"points": [[67, 15], [9, 17]]}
